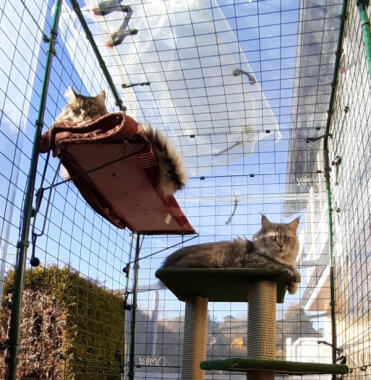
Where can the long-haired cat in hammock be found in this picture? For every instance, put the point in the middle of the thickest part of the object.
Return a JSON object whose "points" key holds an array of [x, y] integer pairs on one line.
{"points": [[275, 245], [172, 174]]}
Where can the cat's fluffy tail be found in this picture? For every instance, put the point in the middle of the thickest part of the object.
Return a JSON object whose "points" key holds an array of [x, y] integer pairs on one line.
{"points": [[173, 175]]}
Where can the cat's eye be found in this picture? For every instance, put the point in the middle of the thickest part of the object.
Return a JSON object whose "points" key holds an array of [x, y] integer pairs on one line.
{"points": [[76, 110]]}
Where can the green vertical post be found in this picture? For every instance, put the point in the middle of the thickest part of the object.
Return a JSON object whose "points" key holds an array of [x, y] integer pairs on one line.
{"points": [[133, 315], [331, 252], [365, 25], [327, 171], [27, 210]]}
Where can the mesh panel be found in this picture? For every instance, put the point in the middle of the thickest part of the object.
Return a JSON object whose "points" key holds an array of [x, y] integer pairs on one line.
{"points": [[350, 184], [242, 89]]}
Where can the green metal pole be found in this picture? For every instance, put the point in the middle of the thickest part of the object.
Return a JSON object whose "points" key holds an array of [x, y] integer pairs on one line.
{"points": [[327, 170], [102, 64], [331, 253], [133, 316], [365, 25], [27, 210]]}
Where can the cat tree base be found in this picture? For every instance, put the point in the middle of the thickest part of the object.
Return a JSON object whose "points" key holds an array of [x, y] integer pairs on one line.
{"points": [[280, 367], [262, 288], [196, 286]]}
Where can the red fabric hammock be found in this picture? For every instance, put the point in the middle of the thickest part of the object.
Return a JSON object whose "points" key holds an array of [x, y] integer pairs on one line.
{"points": [[125, 189]]}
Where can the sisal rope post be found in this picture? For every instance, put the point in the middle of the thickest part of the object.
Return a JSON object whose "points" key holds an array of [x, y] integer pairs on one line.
{"points": [[261, 343], [194, 346]]}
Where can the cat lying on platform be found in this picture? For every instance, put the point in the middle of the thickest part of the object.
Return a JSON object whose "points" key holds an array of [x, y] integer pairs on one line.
{"points": [[172, 173], [275, 245]]}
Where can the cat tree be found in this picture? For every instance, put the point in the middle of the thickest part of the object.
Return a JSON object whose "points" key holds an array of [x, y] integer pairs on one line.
{"points": [[262, 288]]}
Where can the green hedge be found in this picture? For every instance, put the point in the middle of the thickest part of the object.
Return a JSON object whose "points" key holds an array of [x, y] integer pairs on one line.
{"points": [[71, 327]]}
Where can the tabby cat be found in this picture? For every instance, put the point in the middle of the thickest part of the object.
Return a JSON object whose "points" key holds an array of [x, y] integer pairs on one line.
{"points": [[172, 174], [275, 245], [82, 108]]}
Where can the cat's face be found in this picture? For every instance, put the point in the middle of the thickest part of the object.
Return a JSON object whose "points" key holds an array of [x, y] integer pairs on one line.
{"points": [[278, 240], [82, 108]]}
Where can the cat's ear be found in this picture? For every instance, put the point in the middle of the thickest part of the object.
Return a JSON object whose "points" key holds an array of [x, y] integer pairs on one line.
{"points": [[294, 224], [70, 94], [101, 97], [265, 222]]}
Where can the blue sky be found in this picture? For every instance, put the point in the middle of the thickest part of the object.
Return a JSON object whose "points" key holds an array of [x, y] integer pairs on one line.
{"points": [[272, 59]]}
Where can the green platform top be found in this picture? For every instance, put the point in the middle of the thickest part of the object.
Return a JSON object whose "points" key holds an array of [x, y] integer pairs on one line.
{"points": [[221, 284], [277, 366]]}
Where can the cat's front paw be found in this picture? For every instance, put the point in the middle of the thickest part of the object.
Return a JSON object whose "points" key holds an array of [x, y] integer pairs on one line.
{"points": [[292, 287], [294, 283], [296, 276]]}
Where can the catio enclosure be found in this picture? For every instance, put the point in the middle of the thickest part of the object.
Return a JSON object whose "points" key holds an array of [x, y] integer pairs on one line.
{"points": [[269, 103]]}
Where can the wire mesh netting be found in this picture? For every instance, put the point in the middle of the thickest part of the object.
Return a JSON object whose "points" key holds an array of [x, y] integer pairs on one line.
{"points": [[73, 236], [350, 148], [243, 90]]}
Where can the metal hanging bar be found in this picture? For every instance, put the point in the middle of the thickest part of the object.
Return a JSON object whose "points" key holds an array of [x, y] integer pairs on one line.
{"points": [[134, 309], [34, 261], [102, 64], [27, 210], [119, 34], [106, 164]]}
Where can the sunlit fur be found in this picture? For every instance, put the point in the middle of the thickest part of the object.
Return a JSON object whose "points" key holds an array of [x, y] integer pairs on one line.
{"points": [[275, 245], [278, 241], [172, 173], [78, 109], [82, 108]]}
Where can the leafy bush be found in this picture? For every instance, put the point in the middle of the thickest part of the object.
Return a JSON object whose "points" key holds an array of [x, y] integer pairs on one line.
{"points": [[70, 327]]}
